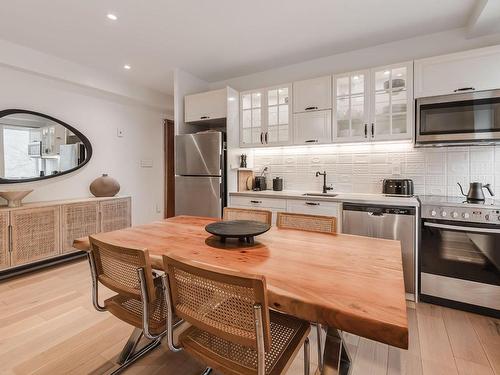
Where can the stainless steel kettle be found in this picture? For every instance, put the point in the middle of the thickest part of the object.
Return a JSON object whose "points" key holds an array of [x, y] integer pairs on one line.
{"points": [[475, 192]]}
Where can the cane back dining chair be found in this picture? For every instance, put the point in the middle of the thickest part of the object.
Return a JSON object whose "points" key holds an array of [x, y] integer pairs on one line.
{"points": [[311, 223], [232, 329], [140, 299], [263, 216]]}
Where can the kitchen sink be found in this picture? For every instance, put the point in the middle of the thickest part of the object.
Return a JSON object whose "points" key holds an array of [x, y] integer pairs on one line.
{"points": [[319, 195]]}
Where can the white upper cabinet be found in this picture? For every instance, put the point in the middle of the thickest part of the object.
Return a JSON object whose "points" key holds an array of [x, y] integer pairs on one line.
{"points": [[391, 102], [206, 106], [312, 127], [374, 105], [265, 117], [350, 106], [312, 94], [467, 71]]}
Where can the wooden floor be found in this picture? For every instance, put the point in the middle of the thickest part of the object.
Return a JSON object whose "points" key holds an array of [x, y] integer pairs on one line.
{"points": [[48, 326]]}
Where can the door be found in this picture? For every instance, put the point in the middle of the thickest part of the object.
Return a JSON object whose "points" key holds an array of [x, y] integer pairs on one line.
{"points": [[35, 234], [313, 127], [278, 124], [251, 130], [4, 240], [379, 222], [198, 196], [312, 94], [391, 102], [198, 154], [78, 220], [351, 109], [115, 214]]}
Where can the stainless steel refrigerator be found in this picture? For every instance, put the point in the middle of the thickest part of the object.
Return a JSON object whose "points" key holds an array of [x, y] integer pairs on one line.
{"points": [[200, 172]]}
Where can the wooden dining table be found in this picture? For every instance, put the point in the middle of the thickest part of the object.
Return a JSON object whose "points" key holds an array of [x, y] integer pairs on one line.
{"points": [[344, 282]]}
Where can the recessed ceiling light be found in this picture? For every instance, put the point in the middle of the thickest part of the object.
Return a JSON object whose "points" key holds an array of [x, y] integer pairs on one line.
{"points": [[387, 73], [112, 16], [355, 77], [127, 67]]}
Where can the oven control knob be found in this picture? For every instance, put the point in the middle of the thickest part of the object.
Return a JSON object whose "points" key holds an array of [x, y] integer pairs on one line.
{"points": [[487, 217], [443, 213], [454, 214], [433, 213], [465, 215]]}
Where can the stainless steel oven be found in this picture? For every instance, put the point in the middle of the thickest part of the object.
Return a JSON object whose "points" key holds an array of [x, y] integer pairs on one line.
{"points": [[460, 261], [469, 118]]}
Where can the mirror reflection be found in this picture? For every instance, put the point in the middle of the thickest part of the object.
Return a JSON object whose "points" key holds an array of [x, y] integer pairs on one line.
{"points": [[33, 146]]}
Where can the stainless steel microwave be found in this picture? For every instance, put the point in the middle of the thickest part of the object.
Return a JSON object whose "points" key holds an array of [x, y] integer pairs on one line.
{"points": [[467, 118]]}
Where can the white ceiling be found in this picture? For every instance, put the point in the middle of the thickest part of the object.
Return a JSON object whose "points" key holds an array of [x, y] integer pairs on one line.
{"points": [[216, 39]]}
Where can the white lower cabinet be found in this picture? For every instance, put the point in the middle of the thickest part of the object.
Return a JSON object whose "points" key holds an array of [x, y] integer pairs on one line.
{"points": [[299, 206], [312, 207], [272, 204]]}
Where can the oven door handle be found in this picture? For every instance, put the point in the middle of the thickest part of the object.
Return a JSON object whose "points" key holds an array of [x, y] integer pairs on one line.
{"points": [[462, 228]]}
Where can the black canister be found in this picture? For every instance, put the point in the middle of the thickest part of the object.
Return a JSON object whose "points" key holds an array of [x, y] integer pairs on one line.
{"points": [[277, 184]]}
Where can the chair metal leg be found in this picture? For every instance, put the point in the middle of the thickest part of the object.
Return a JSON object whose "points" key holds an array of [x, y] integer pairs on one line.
{"points": [[307, 357], [319, 335], [207, 371], [130, 346], [336, 358], [129, 354]]}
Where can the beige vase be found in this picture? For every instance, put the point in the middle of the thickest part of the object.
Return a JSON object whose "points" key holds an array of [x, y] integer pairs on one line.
{"points": [[104, 186]]}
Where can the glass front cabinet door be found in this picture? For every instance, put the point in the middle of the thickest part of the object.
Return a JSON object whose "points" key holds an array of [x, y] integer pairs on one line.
{"points": [[351, 110], [391, 102], [265, 117]]}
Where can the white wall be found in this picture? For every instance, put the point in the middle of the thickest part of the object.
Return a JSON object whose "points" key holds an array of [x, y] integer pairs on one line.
{"points": [[97, 114], [394, 52], [185, 84]]}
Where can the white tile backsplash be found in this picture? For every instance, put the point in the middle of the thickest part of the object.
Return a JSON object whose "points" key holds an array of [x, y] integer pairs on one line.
{"points": [[434, 171]]}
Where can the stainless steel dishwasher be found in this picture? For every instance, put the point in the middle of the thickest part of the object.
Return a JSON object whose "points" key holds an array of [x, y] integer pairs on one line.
{"points": [[389, 222]]}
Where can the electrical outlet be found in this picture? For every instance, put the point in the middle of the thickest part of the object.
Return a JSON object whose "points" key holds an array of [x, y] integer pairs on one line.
{"points": [[158, 209], [120, 132]]}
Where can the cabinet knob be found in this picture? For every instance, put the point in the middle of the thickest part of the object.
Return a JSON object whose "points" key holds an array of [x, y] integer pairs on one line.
{"points": [[464, 89], [265, 137], [366, 130], [311, 141], [261, 139], [310, 108], [204, 117], [312, 204], [373, 130], [255, 201]]}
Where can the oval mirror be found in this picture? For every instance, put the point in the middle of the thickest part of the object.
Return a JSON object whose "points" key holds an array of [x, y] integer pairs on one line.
{"points": [[34, 146]]}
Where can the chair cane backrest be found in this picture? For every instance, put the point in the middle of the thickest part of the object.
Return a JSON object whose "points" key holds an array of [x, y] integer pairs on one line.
{"points": [[217, 301], [311, 223], [116, 268], [263, 216]]}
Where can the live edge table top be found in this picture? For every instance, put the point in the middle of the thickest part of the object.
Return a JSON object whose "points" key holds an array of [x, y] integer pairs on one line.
{"points": [[348, 282]]}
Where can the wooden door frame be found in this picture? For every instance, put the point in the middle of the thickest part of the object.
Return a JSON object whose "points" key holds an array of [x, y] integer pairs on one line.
{"points": [[169, 173]]}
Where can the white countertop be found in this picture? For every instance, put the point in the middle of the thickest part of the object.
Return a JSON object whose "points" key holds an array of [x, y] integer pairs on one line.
{"points": [[340, 197]]}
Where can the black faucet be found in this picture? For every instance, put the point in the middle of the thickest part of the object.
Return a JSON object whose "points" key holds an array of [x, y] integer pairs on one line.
{"points": [[325, 188]]}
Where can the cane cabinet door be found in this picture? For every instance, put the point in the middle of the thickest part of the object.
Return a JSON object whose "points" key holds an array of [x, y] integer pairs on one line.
{"points": [[35, 234], [115, 214], [4, 240], [78, 220]]}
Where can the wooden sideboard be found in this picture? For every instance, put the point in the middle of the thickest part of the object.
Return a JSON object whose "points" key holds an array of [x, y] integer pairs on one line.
{"points": [[44, 231]]}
